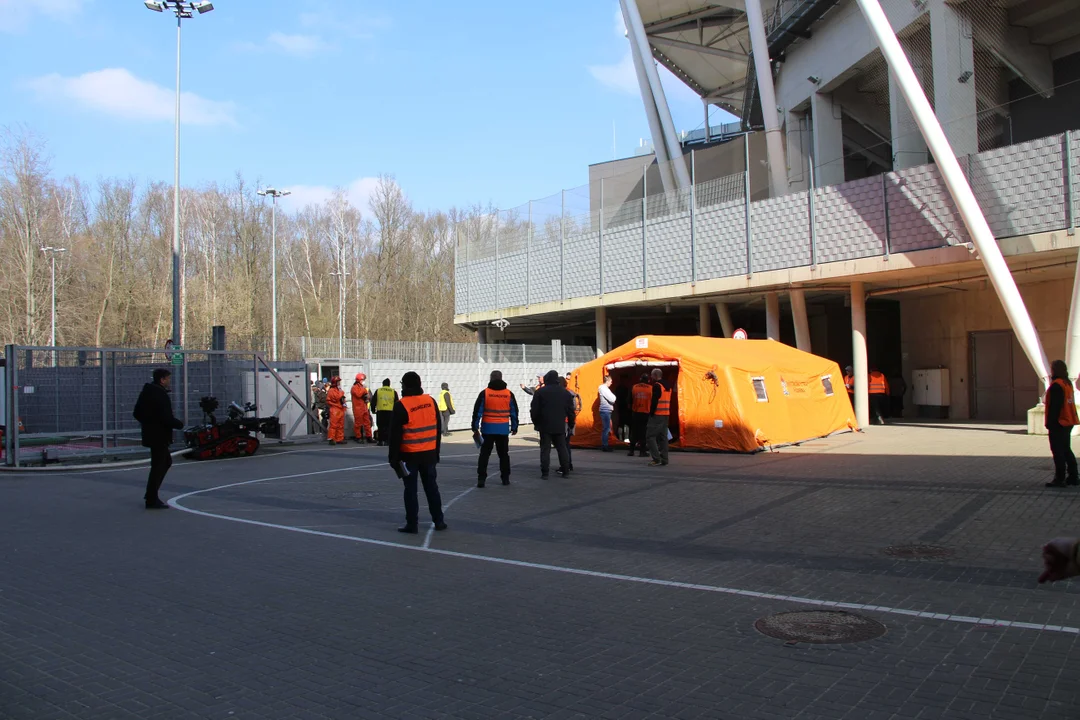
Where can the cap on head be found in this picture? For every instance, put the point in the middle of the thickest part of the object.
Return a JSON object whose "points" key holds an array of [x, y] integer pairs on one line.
{"points": [[386, 382], [496, 375], [410, 381], [445, 386], [849, 369], [160, 374], [551, 377]]}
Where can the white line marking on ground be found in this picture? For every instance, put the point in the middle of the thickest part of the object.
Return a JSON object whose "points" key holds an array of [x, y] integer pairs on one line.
{"points": [[923, 615], [430, 530]]}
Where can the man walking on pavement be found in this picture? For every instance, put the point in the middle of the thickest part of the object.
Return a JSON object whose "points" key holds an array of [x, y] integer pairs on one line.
{"points": [[415, 441], [446, 407], [383, 407], [360, 412], [552, 412], [495, 418], [1061, 418], [607, 406], [153, 410], [659, 412], [640, 399], [879, 395]]}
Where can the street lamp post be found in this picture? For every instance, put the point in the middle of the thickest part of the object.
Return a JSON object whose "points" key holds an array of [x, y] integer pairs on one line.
{"points": [[52, 252], [183, 11], [275, 194], [341, 275]]}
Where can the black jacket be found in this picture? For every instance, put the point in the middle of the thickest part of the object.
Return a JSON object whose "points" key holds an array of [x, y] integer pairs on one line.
{"points": [[1055, 402], [658, 386], [401, 418], [154, 412], [552, 408]]}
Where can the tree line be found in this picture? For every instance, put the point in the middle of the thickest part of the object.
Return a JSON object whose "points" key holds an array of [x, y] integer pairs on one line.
{"points": [[394, 265]]}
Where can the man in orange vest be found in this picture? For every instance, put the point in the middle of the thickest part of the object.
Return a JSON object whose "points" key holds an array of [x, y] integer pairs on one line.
{"points": [[415, 435], [360, 412], [335, 401], [879, 395], [1061, 418], [849, 383], [640, 400], [659, 416], [495, 419]]}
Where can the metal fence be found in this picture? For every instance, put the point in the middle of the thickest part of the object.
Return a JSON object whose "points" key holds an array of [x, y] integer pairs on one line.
{"points": [[405, 351], [63, 403], [533, 254]]}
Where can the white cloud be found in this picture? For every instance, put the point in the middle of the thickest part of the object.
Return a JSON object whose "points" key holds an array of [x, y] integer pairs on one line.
{"points": [[15, 15], [621, 77], [116, 92], [301, 45], [358, 192]]}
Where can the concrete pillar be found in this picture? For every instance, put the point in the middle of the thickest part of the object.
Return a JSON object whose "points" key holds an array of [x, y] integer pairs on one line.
{"points": [[797, 130], [858, 354], [828, 157], [727, 328], [908, 145], [1072, 335], [954, 79], [802, 323], [772, 316], [601, 331], [482, 335], [704, 320]]}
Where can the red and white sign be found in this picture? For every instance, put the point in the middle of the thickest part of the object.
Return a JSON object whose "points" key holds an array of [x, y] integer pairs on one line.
{"points": [[739, 334]]}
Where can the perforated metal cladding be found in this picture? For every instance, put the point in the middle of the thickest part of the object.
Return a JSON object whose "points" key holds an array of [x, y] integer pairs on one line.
{"points": [[545, 269], [461, 291], [721, 232], [921, 212], [850, 220], [583, 264], [1075, 139], [668, 250], [622, 258], [482, 284], [512, 283], [1020, 188], [781, 233]]}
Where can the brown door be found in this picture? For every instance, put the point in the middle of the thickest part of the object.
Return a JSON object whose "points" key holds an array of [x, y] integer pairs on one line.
{"points": [[1004, 385]]}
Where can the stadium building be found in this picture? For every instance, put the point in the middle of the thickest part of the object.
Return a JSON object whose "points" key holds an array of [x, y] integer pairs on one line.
{"points": [[820, 219]]}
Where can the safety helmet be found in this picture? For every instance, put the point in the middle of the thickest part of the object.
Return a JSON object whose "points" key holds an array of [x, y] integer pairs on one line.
{"points": [[335, 380], [361, 377]]}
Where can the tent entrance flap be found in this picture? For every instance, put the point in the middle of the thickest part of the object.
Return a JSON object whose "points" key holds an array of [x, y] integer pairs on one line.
{"points": [[625, 373]]}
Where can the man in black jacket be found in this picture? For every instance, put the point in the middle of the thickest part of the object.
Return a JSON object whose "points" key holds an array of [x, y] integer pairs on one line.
{"points": [[154, 412], [1061, 418], [415, 439], [552, 412]]}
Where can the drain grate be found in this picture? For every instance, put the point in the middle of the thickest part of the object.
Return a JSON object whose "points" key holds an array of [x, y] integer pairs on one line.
{"points": [[820, 627], [918, 552]]}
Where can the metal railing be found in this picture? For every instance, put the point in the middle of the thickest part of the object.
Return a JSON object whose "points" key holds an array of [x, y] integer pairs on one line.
{"points": [[406, 351], [63, 403]]}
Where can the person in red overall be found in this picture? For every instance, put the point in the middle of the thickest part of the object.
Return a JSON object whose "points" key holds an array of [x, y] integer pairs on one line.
{"points": [[1061, 418], [335, 401], [360, 412]]}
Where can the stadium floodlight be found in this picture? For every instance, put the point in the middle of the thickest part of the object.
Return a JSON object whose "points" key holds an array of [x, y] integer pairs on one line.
{"points": [[204, 6], [155, 5], [275, 194]]}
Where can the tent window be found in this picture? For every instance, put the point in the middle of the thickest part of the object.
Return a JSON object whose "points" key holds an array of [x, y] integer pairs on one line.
{"points": [[826, 382], [759, 389]]}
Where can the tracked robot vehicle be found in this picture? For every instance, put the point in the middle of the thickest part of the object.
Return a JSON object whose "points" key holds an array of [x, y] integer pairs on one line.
{"points": [[237, 436]]}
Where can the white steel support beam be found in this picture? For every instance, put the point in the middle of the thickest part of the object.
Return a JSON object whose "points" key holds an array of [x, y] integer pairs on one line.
{"points": [[802, 322], [704, 320], [859, 362], [727, 328], [954, 60], [774, 141], [772, 316], [959, 189], [1072, 336], [828, 156], [639, 43]]}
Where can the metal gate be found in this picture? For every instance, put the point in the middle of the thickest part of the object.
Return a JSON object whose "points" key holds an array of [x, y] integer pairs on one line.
{"points": [[63, 403]]}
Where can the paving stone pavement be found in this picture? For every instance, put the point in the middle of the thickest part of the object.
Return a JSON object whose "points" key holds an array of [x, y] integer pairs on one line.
{"points": [[291, 595]]}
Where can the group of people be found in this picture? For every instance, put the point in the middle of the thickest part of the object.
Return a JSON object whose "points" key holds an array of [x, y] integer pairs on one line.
{"points": [[329, 401], [886, 399], [642, 411]]}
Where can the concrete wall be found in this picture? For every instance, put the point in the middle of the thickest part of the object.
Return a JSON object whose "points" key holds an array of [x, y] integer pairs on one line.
{"points": [[935, 329], [1034, 116]]}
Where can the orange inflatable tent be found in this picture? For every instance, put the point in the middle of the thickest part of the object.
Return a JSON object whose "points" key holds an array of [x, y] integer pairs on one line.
{"points": [[734, 395]]}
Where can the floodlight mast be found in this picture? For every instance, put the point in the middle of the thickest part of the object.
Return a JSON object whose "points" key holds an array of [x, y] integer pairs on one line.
{"points": [[275, 194], [183, 11]]}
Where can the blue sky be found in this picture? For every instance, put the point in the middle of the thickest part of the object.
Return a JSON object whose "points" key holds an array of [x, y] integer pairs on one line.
{"points": [[479, 101]]}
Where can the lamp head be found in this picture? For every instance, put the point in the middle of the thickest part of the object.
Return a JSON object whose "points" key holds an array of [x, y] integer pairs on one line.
{"points": [[204, 6], [155, 5]]}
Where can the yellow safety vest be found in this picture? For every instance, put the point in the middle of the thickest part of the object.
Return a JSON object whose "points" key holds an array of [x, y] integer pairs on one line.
{"points": [[442, 400], [384, 399]]}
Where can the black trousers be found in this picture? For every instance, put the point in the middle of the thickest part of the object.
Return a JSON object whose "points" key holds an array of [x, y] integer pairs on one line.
{"points": [[879, 407], [501, 443], [160, 462], [638, 442], [383, 418], [558, 441], [1061, 449], [428, 476]]}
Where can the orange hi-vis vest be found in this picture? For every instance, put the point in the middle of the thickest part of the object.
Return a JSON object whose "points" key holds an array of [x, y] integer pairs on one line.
{"points": [[663, 408], [642, 397], [496, 408], [420, 433], [1068, 416], [878, 384], [849, 383]]}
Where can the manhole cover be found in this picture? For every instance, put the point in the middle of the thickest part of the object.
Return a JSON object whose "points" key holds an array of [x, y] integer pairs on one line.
{"points": [[820, 627], [918, 552]]}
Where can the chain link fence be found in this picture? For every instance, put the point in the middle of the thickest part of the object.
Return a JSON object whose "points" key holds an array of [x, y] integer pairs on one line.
{"points": [[76, 403], [406, 351]]}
